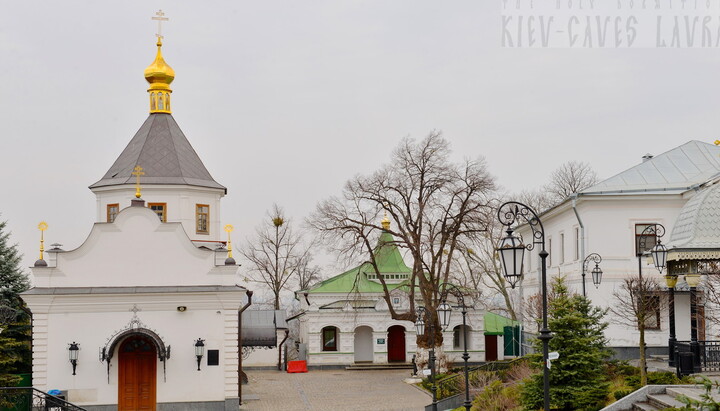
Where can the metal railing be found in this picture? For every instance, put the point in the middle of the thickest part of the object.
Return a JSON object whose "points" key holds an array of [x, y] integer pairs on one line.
{"points": [[709, 353], [454, 384], [31, 399]]}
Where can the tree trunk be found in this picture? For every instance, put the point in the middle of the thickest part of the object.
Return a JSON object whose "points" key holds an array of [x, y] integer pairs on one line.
{"points": [[643, 361]]}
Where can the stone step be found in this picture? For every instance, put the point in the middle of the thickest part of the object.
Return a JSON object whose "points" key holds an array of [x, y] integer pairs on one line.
{"points": [[663, 401], [643, 406], [365, 367]]}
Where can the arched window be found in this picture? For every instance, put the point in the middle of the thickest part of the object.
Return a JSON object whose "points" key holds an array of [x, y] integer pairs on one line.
{"points": [[329, 338], [161, 99], [458, 335], [167, 102], [152, 101]]}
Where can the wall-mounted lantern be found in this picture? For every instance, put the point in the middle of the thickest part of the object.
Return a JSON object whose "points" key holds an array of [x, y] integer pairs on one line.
{"points": [[199, 350], [73, 351]]}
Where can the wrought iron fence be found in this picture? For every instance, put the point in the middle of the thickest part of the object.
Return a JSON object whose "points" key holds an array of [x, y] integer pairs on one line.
{"points": [[31, 399], [709, 353]]}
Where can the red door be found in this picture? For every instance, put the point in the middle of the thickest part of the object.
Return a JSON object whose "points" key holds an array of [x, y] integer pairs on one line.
{"points": [[491, 348], [396, 343], [137, 375]]}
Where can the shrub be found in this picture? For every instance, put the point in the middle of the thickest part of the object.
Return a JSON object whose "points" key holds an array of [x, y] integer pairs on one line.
{"points": [[497, 397], [621, 393]]}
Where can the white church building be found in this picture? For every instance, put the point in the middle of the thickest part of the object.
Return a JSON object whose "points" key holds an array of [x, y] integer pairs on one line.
{"points": [[610, 219], [345, 319], [150, 298]]}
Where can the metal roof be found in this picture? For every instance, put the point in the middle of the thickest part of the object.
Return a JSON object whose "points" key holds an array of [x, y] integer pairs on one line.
{"points": [[259, 327], [165, 155], [676, 170], [698, 224]]}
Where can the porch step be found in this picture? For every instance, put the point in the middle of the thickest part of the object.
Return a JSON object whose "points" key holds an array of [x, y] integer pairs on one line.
{"points": [[372, 366], [644, 406], [662, 401]]}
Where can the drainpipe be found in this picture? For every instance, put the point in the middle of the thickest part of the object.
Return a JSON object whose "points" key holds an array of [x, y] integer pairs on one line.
{"points": [[287, 334], [582, 230], [239, 343]]}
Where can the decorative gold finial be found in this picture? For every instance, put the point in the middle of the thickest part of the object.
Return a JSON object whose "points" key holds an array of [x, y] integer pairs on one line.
{"points": [[42, 227], [229, 229], [717, 142], [159, 74], [137, 173], [385, 222]]}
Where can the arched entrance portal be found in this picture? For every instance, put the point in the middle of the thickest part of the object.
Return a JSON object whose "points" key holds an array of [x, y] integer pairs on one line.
{"points": [[137, 374], [363, 344], [396, 343]]}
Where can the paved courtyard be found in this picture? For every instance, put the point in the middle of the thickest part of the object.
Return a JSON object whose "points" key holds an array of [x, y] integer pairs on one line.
{"points": [[332, 390]]}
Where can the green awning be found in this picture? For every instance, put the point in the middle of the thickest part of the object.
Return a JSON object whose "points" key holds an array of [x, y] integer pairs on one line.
{"points": [[495, 324]]}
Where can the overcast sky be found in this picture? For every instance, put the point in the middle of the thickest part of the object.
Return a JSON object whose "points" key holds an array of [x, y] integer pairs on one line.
{"points": [[286, 100]]}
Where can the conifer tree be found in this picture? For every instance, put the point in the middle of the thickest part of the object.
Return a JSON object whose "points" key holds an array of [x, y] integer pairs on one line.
{"points": [[15, 355], [577, 381]]}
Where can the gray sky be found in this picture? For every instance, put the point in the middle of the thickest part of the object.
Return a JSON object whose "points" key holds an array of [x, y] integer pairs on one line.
{"points": [[286, 100]]}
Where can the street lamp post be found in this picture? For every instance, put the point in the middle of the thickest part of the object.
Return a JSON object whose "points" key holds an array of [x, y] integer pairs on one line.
{"points": [[511, 252], [596, 272], [659, 256], [444, 311], [422, 315]]}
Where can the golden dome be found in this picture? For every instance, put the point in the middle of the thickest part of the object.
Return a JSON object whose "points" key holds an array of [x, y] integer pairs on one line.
{"points": [[159, 74], [386, 222]]}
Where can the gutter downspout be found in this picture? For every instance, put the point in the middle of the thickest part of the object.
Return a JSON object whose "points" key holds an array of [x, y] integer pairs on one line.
{"points": [[239, 343], [287, 334], [582, 230]]}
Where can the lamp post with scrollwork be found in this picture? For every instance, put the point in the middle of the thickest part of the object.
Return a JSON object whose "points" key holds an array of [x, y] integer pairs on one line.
{"points": [[596, 272], [444, 310], [511, 250]]}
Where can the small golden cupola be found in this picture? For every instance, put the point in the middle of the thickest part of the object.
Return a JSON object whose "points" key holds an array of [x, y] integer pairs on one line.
{"points": [[159, 74], [385, 222]]}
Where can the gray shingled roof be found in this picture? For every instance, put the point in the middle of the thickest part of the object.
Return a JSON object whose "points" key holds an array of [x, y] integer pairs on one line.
{"points": [[165, 155], [679, 169], [698, 225]]}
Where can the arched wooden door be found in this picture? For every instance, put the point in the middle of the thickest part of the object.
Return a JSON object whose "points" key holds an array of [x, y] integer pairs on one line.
{"points": [[396, 343], [137, 374]]}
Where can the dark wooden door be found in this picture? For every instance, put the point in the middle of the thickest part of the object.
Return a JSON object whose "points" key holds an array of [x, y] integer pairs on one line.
{"points": [[396, 343], [137, 375], [491, 348]]}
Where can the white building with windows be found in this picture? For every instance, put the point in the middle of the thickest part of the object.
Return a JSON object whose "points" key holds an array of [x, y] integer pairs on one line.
{"points": [[345, 319], [609, 219], [150, 298]]}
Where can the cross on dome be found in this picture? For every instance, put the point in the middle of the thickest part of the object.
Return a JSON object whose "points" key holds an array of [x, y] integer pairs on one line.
{"points": [[160, 17]]}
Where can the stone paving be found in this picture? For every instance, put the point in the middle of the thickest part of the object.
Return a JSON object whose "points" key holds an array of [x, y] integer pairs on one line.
{"points": [[336, 390]]}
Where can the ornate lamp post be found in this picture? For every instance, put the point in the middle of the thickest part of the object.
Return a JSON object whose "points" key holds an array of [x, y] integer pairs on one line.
{"points": [[659, 256], [444, 311], [73, 350], [596, 272], [511, 252], [693, 280], [422, 313]]}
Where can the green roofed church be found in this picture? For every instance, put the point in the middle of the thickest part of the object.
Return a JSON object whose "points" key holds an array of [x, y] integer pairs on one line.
{"points": [[346, 320]]}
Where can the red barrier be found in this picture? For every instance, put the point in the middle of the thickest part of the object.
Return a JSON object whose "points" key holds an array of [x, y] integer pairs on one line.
{"points": [[297, 366]]}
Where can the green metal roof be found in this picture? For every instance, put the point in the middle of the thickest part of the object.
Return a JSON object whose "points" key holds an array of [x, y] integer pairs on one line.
{"points": [[495, 324], [389, 261]]}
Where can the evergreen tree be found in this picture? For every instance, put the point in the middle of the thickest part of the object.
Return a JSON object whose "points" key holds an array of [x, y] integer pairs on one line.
{"points": [[15, 338], [577, 381]]}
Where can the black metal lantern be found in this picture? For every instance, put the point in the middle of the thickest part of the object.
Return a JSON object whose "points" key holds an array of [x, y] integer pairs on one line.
{"points": [[444, 311], [73, 351], [512, 253], [596, 275], [659, 255], [420, 321], [199, 350]]}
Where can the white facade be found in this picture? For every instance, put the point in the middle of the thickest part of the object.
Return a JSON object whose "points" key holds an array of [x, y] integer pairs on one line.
{"points": [[603, 219], [140, 269], [364, 334]]}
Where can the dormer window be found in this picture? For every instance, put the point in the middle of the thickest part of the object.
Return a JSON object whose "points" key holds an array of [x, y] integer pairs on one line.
{"points": [[160, 209], [202, 219]]}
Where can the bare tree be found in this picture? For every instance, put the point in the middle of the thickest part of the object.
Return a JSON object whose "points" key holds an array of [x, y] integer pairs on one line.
{"points": [[435, 206], [307, 274], [477, 266], [571, 177], [638, 303], [276, 253]]}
